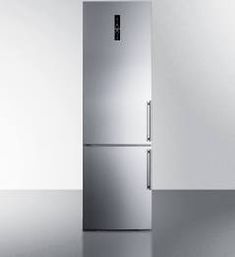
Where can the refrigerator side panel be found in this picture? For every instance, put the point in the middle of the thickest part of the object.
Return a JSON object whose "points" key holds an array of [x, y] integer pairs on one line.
{"points": [[116, 194], [116, 73]]}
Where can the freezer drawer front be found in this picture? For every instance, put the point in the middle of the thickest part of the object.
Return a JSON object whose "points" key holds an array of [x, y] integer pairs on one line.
{"points": [[116, 73], [115, 193]]}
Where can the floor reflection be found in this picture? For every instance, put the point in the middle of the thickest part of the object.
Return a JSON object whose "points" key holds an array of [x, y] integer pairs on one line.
{"points": [[40, 224], [193, 223], [49, 223]]}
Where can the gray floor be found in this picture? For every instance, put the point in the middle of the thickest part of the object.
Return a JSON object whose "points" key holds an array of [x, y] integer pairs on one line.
{"points": [[185, 224]]}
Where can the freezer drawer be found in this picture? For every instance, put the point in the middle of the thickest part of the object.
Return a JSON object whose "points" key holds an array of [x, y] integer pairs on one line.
{"points": [[115, 188], [116, 73]]}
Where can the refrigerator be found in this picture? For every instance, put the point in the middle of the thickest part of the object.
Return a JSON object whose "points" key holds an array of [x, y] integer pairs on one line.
{"points": [[117, 114]]}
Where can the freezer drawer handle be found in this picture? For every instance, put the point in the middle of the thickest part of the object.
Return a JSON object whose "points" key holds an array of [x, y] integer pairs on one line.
{"points": [[149, 169], [149, 121]]}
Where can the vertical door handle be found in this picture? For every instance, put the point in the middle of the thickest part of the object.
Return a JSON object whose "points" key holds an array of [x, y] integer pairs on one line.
{"points": [[149, 169], [149, 121]]}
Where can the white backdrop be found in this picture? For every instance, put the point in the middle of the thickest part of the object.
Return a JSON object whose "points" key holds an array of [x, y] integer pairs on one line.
{"points": [[40, 94], [193, 94]]}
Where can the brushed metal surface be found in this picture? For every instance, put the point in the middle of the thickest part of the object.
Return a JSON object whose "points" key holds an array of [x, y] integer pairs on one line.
{"points": [[116, 74], [115, 195]]}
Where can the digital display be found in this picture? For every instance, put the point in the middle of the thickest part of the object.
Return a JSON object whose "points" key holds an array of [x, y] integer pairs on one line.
{"points": [[117, 26]]}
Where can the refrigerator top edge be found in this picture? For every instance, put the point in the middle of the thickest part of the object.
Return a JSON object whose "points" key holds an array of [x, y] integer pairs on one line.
{"points": [[117, 2]]}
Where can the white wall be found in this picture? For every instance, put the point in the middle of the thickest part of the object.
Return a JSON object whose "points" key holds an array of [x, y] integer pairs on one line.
{"points": [[40, 94], [193, 94], [194, 91]]}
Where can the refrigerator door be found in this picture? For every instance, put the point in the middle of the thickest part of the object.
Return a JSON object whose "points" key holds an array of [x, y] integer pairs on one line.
{"points": [[116, 73], [116, 192]]}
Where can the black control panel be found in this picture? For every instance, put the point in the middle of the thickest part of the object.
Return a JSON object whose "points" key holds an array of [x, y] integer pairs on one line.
{"points": [[117, 27]]}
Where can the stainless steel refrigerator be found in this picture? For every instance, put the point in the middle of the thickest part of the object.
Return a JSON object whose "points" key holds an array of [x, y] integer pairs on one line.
{"points": [[116, 115]]}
